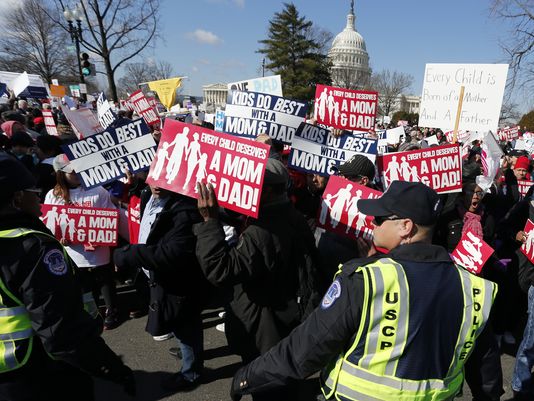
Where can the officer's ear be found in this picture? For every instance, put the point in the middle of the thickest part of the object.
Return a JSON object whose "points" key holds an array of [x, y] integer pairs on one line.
{"points": [[407, 228], [16, 199]]}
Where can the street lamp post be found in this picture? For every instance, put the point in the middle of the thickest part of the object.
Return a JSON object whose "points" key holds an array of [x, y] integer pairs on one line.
{"points": [[76, 35]]}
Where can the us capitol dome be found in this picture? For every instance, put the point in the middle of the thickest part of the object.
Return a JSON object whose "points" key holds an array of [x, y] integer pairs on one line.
{"points": [[348, 54]]}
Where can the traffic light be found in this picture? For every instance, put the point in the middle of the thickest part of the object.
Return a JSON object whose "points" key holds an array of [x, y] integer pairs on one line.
{"points": [[86, 65]]}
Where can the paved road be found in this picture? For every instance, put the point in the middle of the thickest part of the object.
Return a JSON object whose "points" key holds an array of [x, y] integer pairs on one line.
{"points": [[151, 362]]}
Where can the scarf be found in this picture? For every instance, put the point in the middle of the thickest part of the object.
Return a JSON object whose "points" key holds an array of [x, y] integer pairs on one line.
{"points": [[472, 221]]}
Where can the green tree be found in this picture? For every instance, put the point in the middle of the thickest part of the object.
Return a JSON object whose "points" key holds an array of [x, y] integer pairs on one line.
{"points": [[294, 50], [527, 121]]}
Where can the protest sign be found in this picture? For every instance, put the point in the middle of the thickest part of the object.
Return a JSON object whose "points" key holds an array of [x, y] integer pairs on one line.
{"points": [[482, 100], [75, 90], [188, 154], [106, 116], [20, 83], [528, 246], [82, 225], [462, 136], [126, 105], [219, 120], [439, 167], [315, 150], [57, 91], [490, 157], [508, 134], [523, 187], [270, 85], [143, 108], [49, 122], [249, 114], [134, 218], [36, 87], [103, 157], [345, 108], [471, 252], [83, 122], [432, 140], [393, 136], [166, 90], [339, 209]]}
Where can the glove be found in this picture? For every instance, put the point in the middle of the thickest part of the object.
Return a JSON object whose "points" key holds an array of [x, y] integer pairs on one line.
{"points": [[235, 388]]}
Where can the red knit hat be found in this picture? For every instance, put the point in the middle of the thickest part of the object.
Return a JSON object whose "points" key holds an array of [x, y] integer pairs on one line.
{"points": [[522, 162]]}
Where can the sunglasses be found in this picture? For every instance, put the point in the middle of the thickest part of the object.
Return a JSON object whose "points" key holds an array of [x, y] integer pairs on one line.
{"points": [[379, 220]]}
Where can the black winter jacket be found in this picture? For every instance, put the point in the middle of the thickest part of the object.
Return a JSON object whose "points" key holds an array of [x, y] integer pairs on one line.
{"points": [[263, 271], [176, 281]]}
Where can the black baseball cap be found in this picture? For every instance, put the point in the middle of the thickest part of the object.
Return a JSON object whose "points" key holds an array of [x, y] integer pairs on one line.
{"points": [[14, 176], [411, 200], [358, 165]]}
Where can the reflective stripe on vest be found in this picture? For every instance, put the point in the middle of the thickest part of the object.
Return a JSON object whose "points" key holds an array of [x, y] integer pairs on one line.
{"points": [[373, 377]]}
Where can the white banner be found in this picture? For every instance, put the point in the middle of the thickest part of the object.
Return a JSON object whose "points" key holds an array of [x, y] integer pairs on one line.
{"points": [[482, 100], [271, 85]]}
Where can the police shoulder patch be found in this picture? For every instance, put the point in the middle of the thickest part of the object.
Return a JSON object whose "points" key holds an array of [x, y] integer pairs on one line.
{"points": [[55, 262], [333, 293]]}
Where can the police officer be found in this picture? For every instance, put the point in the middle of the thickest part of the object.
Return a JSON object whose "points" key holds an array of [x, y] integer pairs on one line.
{"points": [[396, 327], [50, 345]]}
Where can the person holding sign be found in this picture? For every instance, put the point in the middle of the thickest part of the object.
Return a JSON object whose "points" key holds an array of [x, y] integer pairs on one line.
{"points": [[50, 346], [271, 270], [380, 316], [93, 262]]}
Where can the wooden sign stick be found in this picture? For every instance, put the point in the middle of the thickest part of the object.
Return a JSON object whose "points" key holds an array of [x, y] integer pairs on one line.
{"points": [[458, 113]]}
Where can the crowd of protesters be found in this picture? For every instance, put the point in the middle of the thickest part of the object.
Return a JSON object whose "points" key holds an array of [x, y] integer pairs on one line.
{"points": [[185, 256]]}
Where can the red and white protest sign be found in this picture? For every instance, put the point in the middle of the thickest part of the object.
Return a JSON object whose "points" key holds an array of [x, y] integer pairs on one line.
{"points": [[49, 122], [339, 211], [528, 246], [523, 187], [438, 167], [462, 136], [472, 252], [143, 108], [82, 225], [508, 134], [188, 154], [134, 218], [153, 102], [344, 108], [126, 105]]}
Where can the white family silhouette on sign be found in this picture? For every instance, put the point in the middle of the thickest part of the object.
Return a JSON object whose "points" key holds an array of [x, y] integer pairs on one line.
{"points": [[344, 201], [402, 171], [52, 219], [182, 151], [326, 102], [472, 260], [529, 243]]}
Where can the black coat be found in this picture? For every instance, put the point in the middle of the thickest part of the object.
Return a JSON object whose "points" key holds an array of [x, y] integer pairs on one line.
{"points": [[263, 270], [177, 285]]}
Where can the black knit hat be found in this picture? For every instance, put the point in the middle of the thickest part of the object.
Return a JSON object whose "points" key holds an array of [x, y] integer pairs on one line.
{"points": [[358, 165]]}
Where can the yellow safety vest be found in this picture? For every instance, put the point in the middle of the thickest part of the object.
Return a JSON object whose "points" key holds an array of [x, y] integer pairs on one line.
{"points": [[374, 377], [16, 332]]}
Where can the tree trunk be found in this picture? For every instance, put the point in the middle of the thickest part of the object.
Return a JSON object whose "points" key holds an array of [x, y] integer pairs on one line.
{"points": [[111, 80]]}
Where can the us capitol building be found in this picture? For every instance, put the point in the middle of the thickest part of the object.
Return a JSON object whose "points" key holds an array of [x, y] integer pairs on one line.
{"points": [[350, 64], [350, 69]]}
